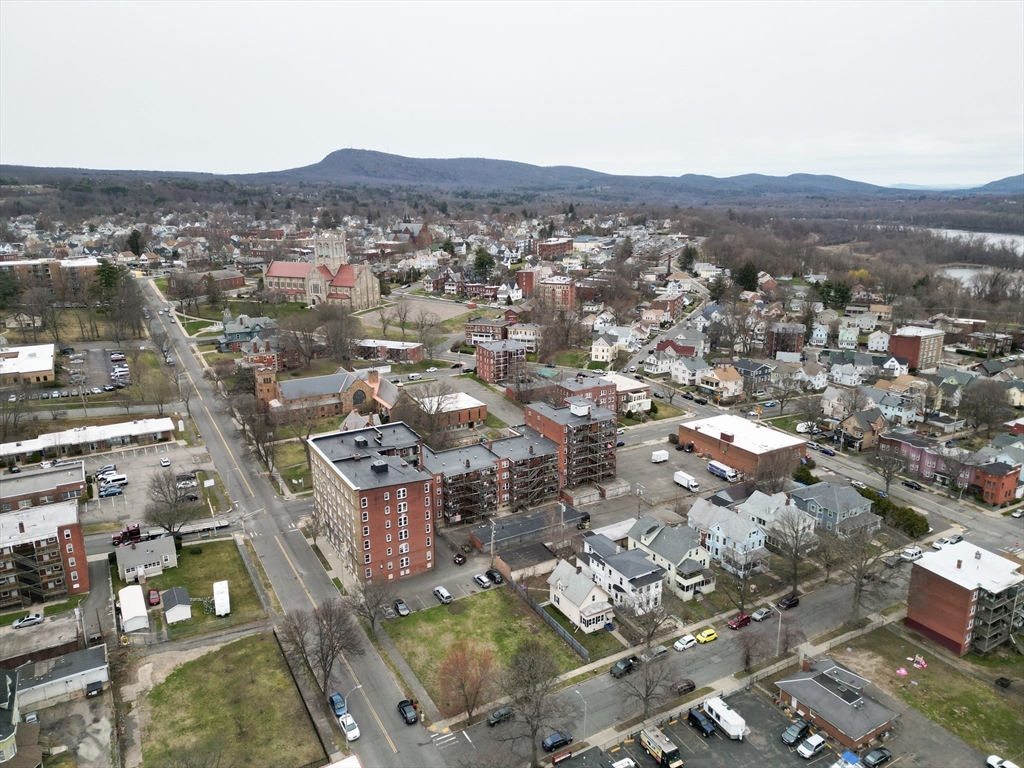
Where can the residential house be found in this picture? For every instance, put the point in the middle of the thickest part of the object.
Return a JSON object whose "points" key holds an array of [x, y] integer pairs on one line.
{"points": [[686, 370], [826, 317], [604, 348], [584, 603], [137, 562], [819, 336], [529, 334], [838, 509], [482, 329], [781, 520], [756, 376], [895, 366], [867, 322], [897, 409], [723, 383], [846, 375], [632, 396], [730, 538], [878, 342], [812, 376], [677, 549], [509, 292], [860, 430], [831, 697], [632, 581], [658, 363], [997, 483], [847, 338]]}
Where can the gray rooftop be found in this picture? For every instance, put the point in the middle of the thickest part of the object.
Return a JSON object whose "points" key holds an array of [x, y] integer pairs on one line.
{"points": [[632, 564], [498, 346], [134, 555], [36, 673], [578, 385], [366, 466], [524, 527], [837, 498], [519, 448], [316, 386], [671, 543], [565, 416], [575, 582], [454, 461], [32, 481], [176, 596]]}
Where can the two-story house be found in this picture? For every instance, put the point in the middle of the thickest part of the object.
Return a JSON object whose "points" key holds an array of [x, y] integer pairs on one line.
{"points": [[239, 330], [731, 539], [573, 591], [756, 376], [860, 430], [819, 336], [878, 342], [723, 383], [812, 376], [847, 338], [632, 581], [838, 509], [782, 521], [686, 370], [677, 549]]}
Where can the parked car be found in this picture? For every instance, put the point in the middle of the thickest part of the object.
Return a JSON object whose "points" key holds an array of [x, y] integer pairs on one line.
{"points": [[165, 462], [795, 732], [191, 497], [812, 745], [14, 470], [739, 621], [620, 443], [502, 715], [700, 400], [443, 595], [402, 608], [910, 554], [338, 705], [455, 365], [683, 686], [939, 544], [431, 369], [761, 614], [111, 490], [684, 642], [494, 576], [653, 654], [827, 451], [349, 726], [956, 538], [623, 667], [706, 636], [482, 581], [770, 404], [154, 597], [556, 740], [1017, 514], [881, 756], [459, 559], [912, 484], [687, 395], [697, 719], [408, 712], [28, 621], [858, 484]]}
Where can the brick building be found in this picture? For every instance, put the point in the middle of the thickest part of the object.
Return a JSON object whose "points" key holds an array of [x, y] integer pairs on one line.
{"points": [[585, 436], [454, 412], [466, 480], [920, 347], [385, 349], [996, 482], [784, 337], [500, 360], [965, 598], [42, 555], [482, 329], [37, 487], [527, 469], [742, 444], [69, 279], [223, 279], [377, 503], [559, 291], [27, 365], [553, 247], [332, 395], [526, 279], [601, 392]]}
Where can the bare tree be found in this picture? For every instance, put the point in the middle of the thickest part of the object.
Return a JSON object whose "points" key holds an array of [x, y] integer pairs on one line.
{"points": [[169, 506], [384, 313], [298, 628], [853, 400], [316, 525], [428, 412], [12, 413], [860, 559], [530, 681], [336, 633], [888, 466], [791, 636], [809, 408], [954, 462], [646, 616], [829, 553], [300, 333], [792, 535], [773, 471], [400, 315], [186, 391], [465, 678], [751, 647], [648, 686], [985, 404], [371, 600], [785, 390], [428, 331]]}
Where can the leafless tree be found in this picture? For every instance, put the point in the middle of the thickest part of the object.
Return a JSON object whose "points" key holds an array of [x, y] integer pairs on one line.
{"points": [[751, 648], [954, 462], [785, 390], [337, 632], [12, 413], [316, 524], [860, 557], [36, 302], [428, 412], [186, 392], [400, 315], [646, 617], [466, 678], [341, 331], [829, 553], [371, 600], [647, 686], [985, 404], [791, 636], [168, 505], [428, 331], [384, 313], [792, 535], [888, 466], [773, 471], [853, 399], [299, 332], [298, 629], [809, 408]]}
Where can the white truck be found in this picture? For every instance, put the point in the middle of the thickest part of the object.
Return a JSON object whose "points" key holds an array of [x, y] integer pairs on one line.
{"points": [[689, 482], [725, 717], [659, 456]]}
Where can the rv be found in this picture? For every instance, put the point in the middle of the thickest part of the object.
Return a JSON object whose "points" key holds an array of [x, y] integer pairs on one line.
{"points": [[723, 471], [689, 482], [658, 746], [725, 717]]}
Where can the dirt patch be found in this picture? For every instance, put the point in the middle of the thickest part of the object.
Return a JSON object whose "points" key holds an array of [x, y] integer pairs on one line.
{"points": [[869, 666], [84, 726]]}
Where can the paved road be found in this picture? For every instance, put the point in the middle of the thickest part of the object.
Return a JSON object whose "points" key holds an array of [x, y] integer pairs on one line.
{"points": [[298, 579]]}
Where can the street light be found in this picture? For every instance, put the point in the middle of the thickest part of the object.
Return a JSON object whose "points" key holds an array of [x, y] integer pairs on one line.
{"points": [[639, 498], [584, 713], [778, 637], [354, 689]]}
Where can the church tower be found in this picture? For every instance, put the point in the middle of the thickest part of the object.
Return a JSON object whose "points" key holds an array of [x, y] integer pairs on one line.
{"points": [[329, 250], [266, 387]]}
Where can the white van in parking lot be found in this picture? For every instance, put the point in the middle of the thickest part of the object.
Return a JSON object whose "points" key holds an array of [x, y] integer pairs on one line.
{"points": [[106, 480]]}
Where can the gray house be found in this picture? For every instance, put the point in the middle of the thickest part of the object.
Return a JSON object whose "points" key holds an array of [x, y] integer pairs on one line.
{"points": [[177, 605], [838, 509], [146, 558], [678, 551]]}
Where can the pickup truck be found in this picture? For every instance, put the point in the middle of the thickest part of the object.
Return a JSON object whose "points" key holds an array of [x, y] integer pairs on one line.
{"points": [[623, 667]]}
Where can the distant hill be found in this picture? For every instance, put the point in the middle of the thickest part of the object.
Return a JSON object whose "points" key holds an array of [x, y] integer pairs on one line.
{"points": [[480, 175]]}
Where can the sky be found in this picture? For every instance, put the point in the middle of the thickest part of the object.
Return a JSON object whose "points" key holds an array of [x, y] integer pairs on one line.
{"points": [[884, 92]]}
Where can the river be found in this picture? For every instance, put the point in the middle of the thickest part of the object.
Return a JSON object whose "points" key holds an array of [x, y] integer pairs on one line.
{"points": [[1016, 242]]}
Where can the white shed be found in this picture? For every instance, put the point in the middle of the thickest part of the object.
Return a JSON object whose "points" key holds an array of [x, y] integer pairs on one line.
{"points": [[221, 600], [133, 609], [177, 605]]}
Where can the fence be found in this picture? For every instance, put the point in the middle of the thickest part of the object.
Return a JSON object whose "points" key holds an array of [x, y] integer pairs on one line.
{"points": [[572, 641]]}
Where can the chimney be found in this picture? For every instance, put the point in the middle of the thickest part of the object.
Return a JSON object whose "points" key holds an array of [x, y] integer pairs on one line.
{"points": [[959, 563], [579, 569], [531, 450], [372, 377], [727, 437], [805, 663]]}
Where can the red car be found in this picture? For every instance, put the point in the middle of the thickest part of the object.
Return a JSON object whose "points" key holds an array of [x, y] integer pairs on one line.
{"points": [[154, 597], [740, 621]]}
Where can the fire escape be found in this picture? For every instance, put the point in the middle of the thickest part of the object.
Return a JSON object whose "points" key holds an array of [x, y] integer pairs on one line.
{"points": [[39, 571], [589, 453], [997, 615], [534, 479], [470, 495]]}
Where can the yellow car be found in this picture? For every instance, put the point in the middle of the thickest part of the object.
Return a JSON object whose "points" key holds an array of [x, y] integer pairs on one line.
{"points": [[706, 636]]}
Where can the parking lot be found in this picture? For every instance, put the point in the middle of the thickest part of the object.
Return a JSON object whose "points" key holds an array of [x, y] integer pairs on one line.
{"points": [[659, 487]]}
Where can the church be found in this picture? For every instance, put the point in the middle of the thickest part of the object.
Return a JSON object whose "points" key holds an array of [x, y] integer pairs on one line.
{"points": [[328, 278]]}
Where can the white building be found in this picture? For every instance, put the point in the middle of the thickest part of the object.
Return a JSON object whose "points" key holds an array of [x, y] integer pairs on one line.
{"points": [[629, 578], [878, 342], [134, 617], [677, 549], [778, 515], [686, 370], [573, 590], [729, 537]]}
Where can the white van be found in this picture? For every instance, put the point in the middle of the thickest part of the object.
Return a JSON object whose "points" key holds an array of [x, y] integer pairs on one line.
{"points": [[414, 376], [109, 480], [910, 554]]}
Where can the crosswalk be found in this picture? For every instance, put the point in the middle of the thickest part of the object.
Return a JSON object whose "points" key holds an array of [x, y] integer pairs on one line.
{"points": [[445, 740], [257, 534]]}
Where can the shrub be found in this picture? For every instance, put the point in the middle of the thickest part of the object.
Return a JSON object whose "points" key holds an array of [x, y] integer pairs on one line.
{"points": [[654, 407], [803, 475], [195, 550], [673, 437]]}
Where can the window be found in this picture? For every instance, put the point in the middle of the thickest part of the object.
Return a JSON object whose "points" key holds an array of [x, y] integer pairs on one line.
{"points": [[403, 563], [67, 533], [402, 507], [364, 502], [429, 556], [366, 530], [387, 538], [366, 560], [403, 534], [401, 493], [426, 487], [74, 575], [391, 566], [428, 528], [403, 549], [387, 510], [366, 544], [71, 562], [389, 551], [387, 496], [428, 541], [24, 503], [426, 502], [71, 548], [426, 516], [387, 523], [366, 517], [403, 521]]}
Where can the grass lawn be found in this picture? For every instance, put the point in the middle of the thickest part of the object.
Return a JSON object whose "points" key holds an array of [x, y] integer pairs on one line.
{"points": [[493, 619], [215, 357], [970, 708], [570, 358], [785, 423], [599, 644], [458, 322], [161, 284], [219, 561], [193, 327], [322, 367], [300, 473], [494, 422], [289, 454], [665, 411], [239, 701]]}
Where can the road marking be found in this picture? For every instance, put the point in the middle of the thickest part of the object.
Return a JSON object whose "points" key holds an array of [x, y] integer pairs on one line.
{"points": [[445, 740], [468, 739], [292, 566]]}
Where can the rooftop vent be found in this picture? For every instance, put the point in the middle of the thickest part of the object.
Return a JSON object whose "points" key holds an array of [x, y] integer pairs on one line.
{"points": [[362, 442], [977, 554], [380, 466]]}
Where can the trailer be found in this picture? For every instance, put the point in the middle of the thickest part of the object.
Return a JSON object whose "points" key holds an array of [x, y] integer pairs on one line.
{"points": [[221, 598], [725, 717], [659, 456], [660, 747], [210, 525], [689, 482], [723, 471]]}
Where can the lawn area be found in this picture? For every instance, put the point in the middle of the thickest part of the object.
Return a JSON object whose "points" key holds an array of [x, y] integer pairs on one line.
{"points": [[193, 327], [570, 358], [218, 561], [215, 357], [970, 708], [665, 411], [289, 454], [494, 422], [243, 307], [298, 478], [239, 701], [599, 644], [493, 619], [458, 322], [161, 284], [322, 367], [785, 423]]}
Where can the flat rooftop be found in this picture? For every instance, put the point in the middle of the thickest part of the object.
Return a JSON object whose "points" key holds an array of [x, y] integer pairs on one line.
{"points": [[564, 415], [38, 357], [455, 401], [23, 526], [366, 466], [32, 481], [977, 567], [746, 434], [458, 460], [519, 448]]}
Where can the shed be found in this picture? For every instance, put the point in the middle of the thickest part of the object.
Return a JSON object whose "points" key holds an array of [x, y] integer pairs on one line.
{"points": [[177, 605], [221, 600], [133, 609]]}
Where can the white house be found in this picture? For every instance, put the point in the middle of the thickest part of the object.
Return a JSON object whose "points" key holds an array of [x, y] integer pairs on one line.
{"points": [[573, 591], [658, 363], [848, 337], [819, 336], [833, 404], [878, 342], [847, 375], [177, 605], [510, 291], [778, 516], [867, 321], [134, 617], [896, 366], [812, 376], [677, 549], [604, 348], [627, 575], [729, 537], [686, 370]]}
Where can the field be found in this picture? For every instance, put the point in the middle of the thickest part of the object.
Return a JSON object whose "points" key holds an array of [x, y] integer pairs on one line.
{"points": [[239, 702], [493, 619]]}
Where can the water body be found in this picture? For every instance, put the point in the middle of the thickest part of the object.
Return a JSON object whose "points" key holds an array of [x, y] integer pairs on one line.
{"points": [[1016, 242], [964, 274]]}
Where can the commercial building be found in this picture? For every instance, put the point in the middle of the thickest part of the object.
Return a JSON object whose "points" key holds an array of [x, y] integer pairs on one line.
{"points": [[921, 347], [378, 504], [552, 247], [742, 444], [394, 351], [965, 598], [90, 439], [500, 360], [600, 391], [42, 555], [37, 487], [453, 411], [585, 436], [26, 365]]}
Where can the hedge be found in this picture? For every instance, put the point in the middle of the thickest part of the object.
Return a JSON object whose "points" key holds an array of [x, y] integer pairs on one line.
{"points": [[901, 518]]}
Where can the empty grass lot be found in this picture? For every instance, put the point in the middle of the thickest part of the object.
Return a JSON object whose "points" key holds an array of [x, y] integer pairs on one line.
{"points": [[599, 644], [238, 701], [986, 719], [493, 619]]}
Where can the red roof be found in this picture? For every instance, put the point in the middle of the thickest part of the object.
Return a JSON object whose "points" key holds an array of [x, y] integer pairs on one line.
{"points": [[288, 269], [346, 277]]}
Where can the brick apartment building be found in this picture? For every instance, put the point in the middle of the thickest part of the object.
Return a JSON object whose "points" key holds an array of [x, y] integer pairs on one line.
{"points": [[585, 436], [466, 480], [483, 329], [741, 444], [559, 291], [453, 412], [42, 555], [69, 279], [553, 247], [601, 392], [378, 504], [38, 487], [499, 360], [920, 347], [965, 598], [526, 279], [527, 469], [784, 337], [996, 482]]}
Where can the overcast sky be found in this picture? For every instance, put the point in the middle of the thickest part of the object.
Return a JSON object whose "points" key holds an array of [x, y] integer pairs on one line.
{"points": [[886, 92]]}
